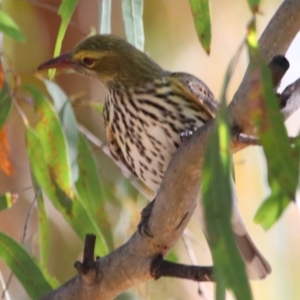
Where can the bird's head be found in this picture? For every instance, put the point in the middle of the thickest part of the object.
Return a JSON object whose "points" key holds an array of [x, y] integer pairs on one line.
{"points": [[108, 58]]}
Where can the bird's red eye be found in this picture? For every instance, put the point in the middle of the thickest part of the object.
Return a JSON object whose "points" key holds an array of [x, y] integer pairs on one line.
{"points": [[88, 61]]}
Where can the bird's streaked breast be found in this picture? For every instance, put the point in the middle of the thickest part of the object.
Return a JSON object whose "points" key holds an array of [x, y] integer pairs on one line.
{"points": [[146, 123]]}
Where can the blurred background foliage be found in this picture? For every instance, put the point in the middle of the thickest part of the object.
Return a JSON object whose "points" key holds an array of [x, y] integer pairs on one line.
{"points": [[171, 40]]}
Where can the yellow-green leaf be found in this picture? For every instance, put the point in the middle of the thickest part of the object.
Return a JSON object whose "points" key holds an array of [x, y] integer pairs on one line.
{"points": [[44, 230], [7, 200], [73, 209], [46, 147], [10, 28], [53, 142], [69, 124], [217, 199], [272, 208], [201, 15], [89, 187], [254, 5], [66, 10], [32, 277]]}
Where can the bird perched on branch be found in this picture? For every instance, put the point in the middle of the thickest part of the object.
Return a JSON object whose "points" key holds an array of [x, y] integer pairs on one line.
{"points": [[146, 110]]}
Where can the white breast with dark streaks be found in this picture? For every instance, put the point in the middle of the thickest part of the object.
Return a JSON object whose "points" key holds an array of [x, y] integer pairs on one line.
{"points": [[147, 128]]}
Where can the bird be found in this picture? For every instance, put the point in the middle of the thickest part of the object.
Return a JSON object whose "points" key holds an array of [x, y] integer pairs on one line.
{"points": [[147, 112]]}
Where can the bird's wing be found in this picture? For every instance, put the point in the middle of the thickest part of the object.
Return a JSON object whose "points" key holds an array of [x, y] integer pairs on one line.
{"points": [[196, 90]]}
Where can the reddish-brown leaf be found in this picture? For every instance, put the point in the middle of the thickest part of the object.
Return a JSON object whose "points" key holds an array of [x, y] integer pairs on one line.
{"points": [[1, 76], [5, 164]]}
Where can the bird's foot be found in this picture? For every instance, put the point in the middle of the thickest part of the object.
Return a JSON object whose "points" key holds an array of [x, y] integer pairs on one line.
{"points": [[187, 133], [145, 215]]}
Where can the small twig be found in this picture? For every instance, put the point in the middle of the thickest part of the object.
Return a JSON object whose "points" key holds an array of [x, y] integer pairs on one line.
{"points": [[5, 294], [245, 139], [88, 255], [163, 268], [29, 213], [250, 140]]}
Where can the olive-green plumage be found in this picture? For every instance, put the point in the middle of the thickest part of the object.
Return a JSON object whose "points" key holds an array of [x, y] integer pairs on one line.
{"points": [[145, 112], [112, 59]]}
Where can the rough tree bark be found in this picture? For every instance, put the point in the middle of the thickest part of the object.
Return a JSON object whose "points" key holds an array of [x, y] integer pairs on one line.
{"points": [[177, 198]]}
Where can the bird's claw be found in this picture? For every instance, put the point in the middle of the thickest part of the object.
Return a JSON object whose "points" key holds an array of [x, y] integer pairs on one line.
{"points": [[187, 133], [143, 227], [155, 266]]}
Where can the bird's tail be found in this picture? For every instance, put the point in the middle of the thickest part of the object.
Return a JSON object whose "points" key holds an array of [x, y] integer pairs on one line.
{"points": [[256, 265]]}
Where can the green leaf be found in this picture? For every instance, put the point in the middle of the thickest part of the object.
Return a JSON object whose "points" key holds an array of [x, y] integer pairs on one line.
{"points": [[10, 28], [53, 142], [44, 230], [38, 163], [272, 208], [7, 200], [220, 286], [172, 257], [46, 147], [128, 296], [73, 209], [254, 5], [201, 15], [89, 187], [32, 277], [105, 11], [98, 107], [5, 103], [282, 158], [66, 10], [69, 124], [132, 11], [217, 200], [82, 220]]}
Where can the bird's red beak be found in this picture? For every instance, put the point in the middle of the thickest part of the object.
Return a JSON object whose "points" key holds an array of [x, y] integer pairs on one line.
{"points": [[62, 61]]}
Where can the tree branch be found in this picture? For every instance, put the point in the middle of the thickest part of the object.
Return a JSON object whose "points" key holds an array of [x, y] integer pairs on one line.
{"points": [[275, 40], [163, 268], [88, 262]]}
